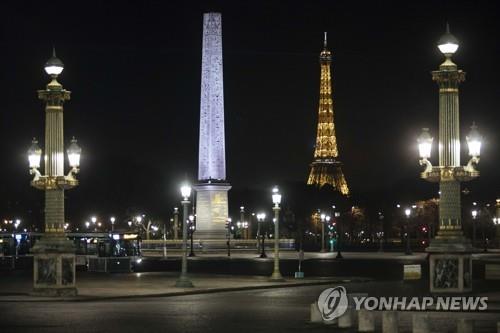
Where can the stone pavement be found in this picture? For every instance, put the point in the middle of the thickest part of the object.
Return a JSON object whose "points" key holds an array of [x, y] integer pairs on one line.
{"points": [[16, 286]]}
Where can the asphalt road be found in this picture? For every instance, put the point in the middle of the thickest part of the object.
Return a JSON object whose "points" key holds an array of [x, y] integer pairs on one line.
{"points": [[275, 310]]}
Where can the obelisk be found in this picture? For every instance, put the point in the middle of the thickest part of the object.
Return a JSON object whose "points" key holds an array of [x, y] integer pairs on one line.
{"points": [[212, 187]]}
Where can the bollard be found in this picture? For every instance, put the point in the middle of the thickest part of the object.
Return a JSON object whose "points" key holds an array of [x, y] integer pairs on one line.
{"points": [[420, 323], [465, 325], [366, 321], [390, 322], [345, 321], [315, 314], [350, 298]]}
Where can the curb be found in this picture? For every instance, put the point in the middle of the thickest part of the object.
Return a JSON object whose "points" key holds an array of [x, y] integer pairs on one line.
{"points": [[181, 293]]}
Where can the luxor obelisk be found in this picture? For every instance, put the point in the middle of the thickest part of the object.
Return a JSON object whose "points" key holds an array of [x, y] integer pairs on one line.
{"points": [[212, 187]]}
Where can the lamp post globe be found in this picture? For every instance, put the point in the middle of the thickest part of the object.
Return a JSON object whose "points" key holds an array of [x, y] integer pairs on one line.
{"points": [[276, 197], [448, 44], [54, 66]]}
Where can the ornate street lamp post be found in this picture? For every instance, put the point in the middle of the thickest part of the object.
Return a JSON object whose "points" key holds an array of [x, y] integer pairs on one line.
{"points": [[112, 219], [183, 281], [407, 229], [176, 223], [276, 276], [450, 252], [339, 235], [260, 219], [54, 254], [192, 229], [324, 219], [474, 217], [244, 224], [496, 220]]}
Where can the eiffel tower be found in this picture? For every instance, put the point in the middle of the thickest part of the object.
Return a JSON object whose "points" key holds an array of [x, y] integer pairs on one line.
{"points": [[326, 167]]}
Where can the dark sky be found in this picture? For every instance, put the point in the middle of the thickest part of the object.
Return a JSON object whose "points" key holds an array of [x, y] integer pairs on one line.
{"points": [[134, 72]]}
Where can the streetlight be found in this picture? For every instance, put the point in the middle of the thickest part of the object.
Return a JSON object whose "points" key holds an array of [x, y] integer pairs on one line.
{"points": [[243, 223], [176, 223], [450, 241], [339, 235], [276, 196], [230, 228], [408, 247], [474, 217], [112, 219], [17, 239], [324, 219], [54, 256], [496, 220], [183, 281], [192, 228], [260, 219]]}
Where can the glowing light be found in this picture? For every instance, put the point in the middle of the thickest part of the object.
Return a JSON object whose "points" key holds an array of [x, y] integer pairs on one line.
{"points": [[185, 191], [276, 196], [34, 155], [448, 48], [474, 141], [74, 152], [425, 144]]}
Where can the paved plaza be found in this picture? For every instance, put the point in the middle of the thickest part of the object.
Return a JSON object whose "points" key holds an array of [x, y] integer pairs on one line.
{"points": [[257, 310]]}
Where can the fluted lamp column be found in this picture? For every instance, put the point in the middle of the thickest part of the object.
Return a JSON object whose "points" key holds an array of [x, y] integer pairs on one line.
{"points": [[54, 254]]}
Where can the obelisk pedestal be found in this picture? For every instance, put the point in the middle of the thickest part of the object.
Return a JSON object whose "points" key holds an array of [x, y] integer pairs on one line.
{"points": [[211, 210]]}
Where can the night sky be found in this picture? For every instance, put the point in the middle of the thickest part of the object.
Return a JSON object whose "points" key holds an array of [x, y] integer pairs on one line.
{"points": [[134, 70]]}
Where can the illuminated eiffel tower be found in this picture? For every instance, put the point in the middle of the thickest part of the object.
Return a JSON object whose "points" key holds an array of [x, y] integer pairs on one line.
{"points": [[326, 167]]}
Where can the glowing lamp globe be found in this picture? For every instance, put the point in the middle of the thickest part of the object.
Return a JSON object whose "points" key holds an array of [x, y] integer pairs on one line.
{"points": [[474, 141], [185, 191], [276, 196], [448, 44], [34, 155], [74, 152], [54, 66], [425, 144]]}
